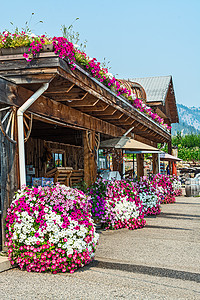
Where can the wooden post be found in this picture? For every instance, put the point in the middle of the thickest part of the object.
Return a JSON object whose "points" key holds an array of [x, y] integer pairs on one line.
{"points": [[170, 147], [155, 163], [170, 152], [117, 162], [8, 163], [90, 164], [140, 165]]}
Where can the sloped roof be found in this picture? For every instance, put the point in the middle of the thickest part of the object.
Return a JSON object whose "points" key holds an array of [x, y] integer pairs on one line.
{"points": [[155, 87]]}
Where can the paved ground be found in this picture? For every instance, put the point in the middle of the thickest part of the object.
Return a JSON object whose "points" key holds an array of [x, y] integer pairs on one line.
{"points": [[4, 263], [160, 261]]}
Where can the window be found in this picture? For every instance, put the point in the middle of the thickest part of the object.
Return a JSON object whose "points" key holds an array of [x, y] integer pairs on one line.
{"points": [[57, 159], [103, 161]]}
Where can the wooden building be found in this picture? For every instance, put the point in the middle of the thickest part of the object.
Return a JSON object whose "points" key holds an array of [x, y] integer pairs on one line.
{"points": [[158, 93], [63, 127]]}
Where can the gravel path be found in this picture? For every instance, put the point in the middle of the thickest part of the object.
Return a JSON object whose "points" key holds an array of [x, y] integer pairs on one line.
{"points": [[160, 261]]}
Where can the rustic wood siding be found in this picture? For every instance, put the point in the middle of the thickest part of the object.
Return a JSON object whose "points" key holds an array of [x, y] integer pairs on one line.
{"points": [[8, 179], [35, 148]]}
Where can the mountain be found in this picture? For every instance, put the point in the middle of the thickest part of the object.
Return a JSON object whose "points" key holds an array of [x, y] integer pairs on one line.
{"points": [[189, 120]]}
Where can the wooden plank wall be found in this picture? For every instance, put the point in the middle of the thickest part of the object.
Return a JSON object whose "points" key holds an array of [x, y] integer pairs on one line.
{"points": [[8, 180], [35, 150]]}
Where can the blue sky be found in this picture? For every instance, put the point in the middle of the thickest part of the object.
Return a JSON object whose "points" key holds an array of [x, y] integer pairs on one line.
{"points": [[140, 38]]}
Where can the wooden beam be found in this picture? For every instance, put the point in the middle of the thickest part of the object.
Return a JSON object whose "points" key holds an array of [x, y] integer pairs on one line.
{"points": [[59, 89], [20, 76], [143, 140], [109, 111], [112, 100], [16, 95], [85, 83], [81, 99], [32, 79], [116, 116], [87, 102], [128, 123], [122, 119], [125, 119], [92, 109]]}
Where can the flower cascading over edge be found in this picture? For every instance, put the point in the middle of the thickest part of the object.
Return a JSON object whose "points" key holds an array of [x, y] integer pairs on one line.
{"points": [[66, 49]]}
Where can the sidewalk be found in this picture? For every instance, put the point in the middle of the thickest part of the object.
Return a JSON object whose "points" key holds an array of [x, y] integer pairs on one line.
{"points": [[4, 263], [160, 261], [170, 240]]}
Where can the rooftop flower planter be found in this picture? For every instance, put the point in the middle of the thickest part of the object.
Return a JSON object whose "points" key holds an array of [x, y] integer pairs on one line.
{"points": [[22, 50], [31, 45]]}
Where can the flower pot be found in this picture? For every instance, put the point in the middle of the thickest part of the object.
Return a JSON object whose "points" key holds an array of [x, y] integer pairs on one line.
{"points": [[14, 51], [22, 50]]}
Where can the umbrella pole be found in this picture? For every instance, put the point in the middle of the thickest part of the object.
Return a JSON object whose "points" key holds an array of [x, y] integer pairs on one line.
{"points": [[158, 162], [123, 164]]}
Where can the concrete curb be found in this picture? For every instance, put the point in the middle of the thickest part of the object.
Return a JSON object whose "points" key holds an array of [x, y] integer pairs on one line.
{"points": [[4, 264]]}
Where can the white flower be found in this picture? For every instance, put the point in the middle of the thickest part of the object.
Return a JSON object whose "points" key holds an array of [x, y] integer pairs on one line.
{"points": [[69, 251], [109, 75], [32, 35]]}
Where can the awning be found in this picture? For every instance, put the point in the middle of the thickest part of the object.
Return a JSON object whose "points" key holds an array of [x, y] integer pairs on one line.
{"points": [[128, 144], [168, 157]]}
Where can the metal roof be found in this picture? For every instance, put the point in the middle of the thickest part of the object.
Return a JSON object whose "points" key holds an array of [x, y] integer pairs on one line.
{"points": [[155, 87]]}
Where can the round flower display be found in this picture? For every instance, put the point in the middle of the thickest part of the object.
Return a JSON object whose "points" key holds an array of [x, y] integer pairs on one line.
{"points": [[117, 206], [50, 229], [176, 183], [164, 186], [148, 196]]}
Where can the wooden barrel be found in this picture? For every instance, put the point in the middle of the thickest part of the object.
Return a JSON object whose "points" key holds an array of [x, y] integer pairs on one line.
{"points": [[192, 187], [197, 182]]}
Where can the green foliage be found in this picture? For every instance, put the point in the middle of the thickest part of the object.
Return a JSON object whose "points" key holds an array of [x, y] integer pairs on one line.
{"points": [[27, 27], [188, 146], [20, 37], [73, 36], [82, 186], [189, 141], [188, 153], [106, 64]]}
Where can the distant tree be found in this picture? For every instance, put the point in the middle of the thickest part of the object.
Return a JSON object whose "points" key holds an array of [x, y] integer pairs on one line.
{"points": [[188, 146]]}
